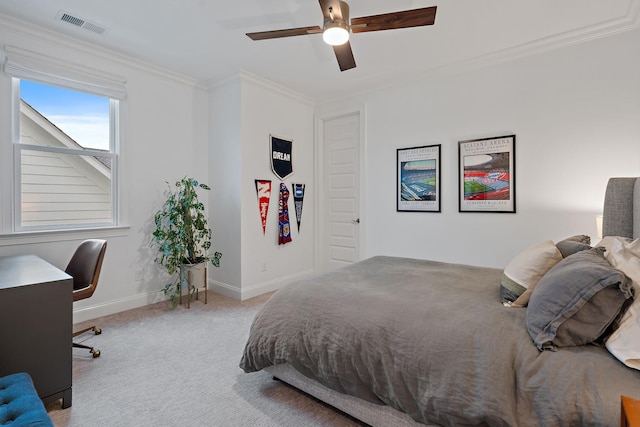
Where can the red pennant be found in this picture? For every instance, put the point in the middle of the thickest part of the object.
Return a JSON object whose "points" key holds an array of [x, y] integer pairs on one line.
{"points": [[263, 189]]}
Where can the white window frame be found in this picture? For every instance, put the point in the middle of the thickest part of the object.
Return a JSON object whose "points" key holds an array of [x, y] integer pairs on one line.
{"points": [[20, 64]]}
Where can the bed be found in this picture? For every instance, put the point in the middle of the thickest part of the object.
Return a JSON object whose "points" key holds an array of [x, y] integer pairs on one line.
{"points": [[408, 342]]}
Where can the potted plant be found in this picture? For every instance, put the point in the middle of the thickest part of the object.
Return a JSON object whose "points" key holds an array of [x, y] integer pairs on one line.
{"points": [[182, 235]]}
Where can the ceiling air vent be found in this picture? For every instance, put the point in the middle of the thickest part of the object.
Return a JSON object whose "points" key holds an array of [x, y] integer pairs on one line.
{"points": [[82, 23]]}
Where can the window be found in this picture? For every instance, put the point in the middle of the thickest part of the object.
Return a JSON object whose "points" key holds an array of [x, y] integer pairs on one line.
{"points": [[64, 157], [65, 141]]}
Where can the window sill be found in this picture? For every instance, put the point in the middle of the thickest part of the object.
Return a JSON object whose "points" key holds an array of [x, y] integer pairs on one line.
{"points": [[43, 236]]}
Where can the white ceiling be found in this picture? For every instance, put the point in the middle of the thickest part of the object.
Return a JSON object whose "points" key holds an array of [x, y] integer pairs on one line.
{"points": [[205, 39]]}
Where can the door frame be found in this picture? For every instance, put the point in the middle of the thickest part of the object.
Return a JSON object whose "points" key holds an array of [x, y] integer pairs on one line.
{"points": [[320, 246]]}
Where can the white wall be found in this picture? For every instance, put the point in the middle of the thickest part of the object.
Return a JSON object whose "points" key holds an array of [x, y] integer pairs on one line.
{"points": [[244, 112], [171, 128], [266, 110], [165, 136], [225, 159], [575, 112]]}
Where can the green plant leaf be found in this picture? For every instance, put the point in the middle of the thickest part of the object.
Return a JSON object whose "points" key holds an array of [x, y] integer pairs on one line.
{"points": [[181, 233]]}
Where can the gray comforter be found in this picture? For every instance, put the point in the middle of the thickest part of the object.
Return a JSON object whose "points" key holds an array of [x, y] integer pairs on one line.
{"points": [[433, 340]]}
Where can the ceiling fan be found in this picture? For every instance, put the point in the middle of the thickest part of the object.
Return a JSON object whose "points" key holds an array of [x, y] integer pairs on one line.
{"points": [[337, 26]]}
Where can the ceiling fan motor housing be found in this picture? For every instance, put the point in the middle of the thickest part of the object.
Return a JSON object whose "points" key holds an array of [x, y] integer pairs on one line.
{"points": [[336, 27]]}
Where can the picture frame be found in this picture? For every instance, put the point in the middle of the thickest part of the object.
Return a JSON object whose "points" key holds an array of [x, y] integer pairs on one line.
{"points": [[487, 175], [418, 179]]}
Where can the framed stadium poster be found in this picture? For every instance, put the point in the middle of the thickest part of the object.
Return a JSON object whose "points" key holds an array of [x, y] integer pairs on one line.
{"points": [[487, 175], [418, 179]]}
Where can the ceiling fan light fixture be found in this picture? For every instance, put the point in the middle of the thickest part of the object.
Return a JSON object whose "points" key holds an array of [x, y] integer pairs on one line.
{"points": [[335, 33], [337, 27]]}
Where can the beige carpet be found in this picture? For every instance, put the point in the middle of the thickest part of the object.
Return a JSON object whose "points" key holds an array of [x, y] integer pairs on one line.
{"points": [[164, 367]]}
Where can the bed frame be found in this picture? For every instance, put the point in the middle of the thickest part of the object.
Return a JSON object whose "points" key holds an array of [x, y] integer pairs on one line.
{"points": [[367, 412], [621, 217], [621, 213]]}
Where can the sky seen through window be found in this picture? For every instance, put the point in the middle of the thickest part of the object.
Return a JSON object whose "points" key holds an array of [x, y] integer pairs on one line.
{"points": [[82, 116]]}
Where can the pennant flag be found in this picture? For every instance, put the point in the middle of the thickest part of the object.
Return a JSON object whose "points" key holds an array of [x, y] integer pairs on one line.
{"points": [[298, 198], [284, 228], [263, 189], [281, 161]]}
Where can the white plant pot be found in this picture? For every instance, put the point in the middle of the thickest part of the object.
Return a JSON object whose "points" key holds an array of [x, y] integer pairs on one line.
{"points": [[197, 275]]}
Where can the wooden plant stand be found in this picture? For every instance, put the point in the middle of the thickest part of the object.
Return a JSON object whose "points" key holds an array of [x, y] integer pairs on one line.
{"points": [[189, 281]]}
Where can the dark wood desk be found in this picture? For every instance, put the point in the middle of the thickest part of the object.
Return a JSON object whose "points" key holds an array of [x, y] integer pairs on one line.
{"points": [[36, 324]]}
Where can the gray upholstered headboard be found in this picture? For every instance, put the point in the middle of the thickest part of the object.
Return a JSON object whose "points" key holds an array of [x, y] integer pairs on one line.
{"points": [[621, 213]]}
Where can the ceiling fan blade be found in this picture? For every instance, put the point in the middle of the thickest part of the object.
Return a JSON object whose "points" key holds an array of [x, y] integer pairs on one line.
{"points": [[344, 55], [334, 5], [289, 32], [394, 20]]}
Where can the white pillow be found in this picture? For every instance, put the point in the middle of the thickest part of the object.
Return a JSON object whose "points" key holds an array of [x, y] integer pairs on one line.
{"points": [[525, 270], [608, 241], [624, 343]]}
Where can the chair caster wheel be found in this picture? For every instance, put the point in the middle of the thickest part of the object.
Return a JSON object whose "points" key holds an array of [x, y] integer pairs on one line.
{"points": [[97, 331], [95, 353]]}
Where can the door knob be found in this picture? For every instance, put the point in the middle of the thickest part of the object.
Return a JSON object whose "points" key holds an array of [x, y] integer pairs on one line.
{"points": [[356, 221]]}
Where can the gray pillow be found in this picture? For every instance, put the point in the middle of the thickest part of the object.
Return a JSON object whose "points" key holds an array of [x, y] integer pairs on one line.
{"points": [[570, 247], [581, 238], [573, 244], [576, 301]]}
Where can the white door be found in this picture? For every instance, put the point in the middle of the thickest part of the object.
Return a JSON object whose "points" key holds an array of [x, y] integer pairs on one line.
{"points": [[341, 195]]}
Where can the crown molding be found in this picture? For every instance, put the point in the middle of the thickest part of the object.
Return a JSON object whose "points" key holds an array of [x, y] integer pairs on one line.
{"points": [[245, 76], [22, 28], [628, 22]]}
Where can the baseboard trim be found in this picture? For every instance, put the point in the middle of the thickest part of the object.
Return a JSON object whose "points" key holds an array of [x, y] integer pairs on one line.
{"points": [[112, 307], [140, 300], [255, 290]]}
